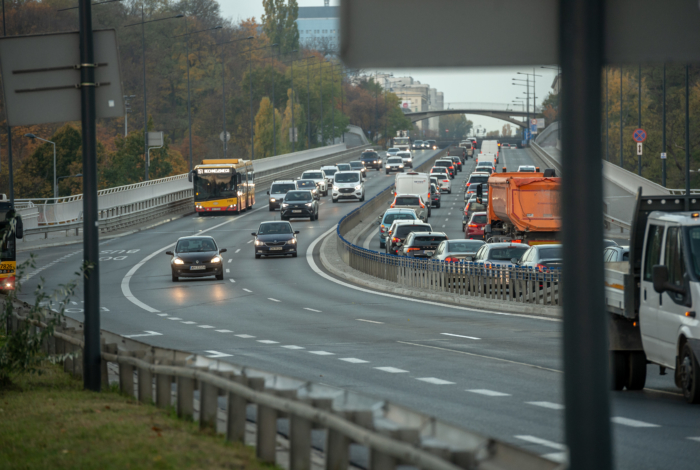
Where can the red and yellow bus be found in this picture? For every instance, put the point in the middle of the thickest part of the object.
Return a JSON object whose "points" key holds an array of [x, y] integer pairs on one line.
{"points": [[223, 185]]}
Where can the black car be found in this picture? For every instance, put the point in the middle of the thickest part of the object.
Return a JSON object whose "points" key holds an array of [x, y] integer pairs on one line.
{"points": [[449, 164], [359, 166], [275, 238], [371, 159], [458, 163], [196, 256], [432, 144], [422, 244], [299, 204], [435, 196]]}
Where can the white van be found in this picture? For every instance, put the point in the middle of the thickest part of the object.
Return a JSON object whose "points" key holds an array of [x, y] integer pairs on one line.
{"points": [[486, 157], [413, 183]]}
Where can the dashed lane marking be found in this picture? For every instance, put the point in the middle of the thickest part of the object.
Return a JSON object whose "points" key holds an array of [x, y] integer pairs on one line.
{"points": [[633, 423], [214, 354], [206, 326], [291, 346], [229, 260], [435, 381], [228, 270], [247, 290], [546, 404], [162, 314], [245, 336], [353, 360], [696, 439], [312, 310], [392, 370], [224, 331], [174, 318], [559, 457], [59, 260], [274, 300], [267, 341], [322, 353], [371, 321], [251, 241], [460, 336], [238, 250], [542, 442], [232, 280], [189, 322], [488, 393]]}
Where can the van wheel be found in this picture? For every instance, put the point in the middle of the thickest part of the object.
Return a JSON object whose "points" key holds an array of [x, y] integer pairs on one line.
{"points": [[618, 370], [690, 374], [637, 366]]}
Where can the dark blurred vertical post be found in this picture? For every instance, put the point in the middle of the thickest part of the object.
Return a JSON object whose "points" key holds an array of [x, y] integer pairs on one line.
{"points": [[92, 369], [687, 138], [663, 132], [145, 103], [607, 141], [585, 329], [639, 118], [622, 162], [11, 182]]}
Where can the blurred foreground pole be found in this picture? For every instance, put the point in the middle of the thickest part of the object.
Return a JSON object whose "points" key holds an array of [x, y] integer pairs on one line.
{"points": [[91, 353], [586, 388]]}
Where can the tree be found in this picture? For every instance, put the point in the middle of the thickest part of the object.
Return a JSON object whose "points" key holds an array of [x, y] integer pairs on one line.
{"points": [[492, 134], [506, 130], [455, 127], [263, 129], [279, 23], [284, 144]]}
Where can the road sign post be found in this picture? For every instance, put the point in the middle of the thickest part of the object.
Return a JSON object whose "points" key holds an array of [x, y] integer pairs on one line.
{"points": [[639, 136], [639, 148]]}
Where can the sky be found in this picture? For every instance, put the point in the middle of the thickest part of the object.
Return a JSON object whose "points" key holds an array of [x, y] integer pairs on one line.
{"points": [[460, 85]]}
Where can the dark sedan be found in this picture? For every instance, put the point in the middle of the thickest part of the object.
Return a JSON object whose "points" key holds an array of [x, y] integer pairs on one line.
{"points": [[299, 204], [422, 244], [196, 257], [275, 238], [371, 159], [435, 196]]}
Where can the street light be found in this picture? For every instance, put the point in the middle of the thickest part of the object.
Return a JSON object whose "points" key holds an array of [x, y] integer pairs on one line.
{"points": [[55, 185], [223, 88], [187, 59], [145, 104]]}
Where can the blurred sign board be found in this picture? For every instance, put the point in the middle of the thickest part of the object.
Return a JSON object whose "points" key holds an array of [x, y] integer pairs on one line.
{"points": [[155, 139], [41, 77], [540, 123], [406, 105], [637, 31], [293, 134]]}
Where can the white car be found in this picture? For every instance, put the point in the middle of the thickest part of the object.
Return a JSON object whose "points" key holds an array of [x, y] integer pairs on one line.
{"points": [[319, 178], [443, 176], [348, 185], [392, 152], [527, 168], [329, 171], [407, 159], [393, 164]]}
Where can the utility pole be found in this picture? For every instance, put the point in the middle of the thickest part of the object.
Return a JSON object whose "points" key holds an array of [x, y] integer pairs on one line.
{"points": [[127, 109], [687, 138], [607, 128], [11, 188], [622, 162], [663, 132], [639, 119], [320, 66]]}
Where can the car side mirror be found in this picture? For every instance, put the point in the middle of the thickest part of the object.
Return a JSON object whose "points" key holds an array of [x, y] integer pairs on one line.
{"points": [[223, 250], [487, 228], [659, 276], [254, 234], [469, 258], [296, 232], [514, 261], [169, 253], [268, 193]]}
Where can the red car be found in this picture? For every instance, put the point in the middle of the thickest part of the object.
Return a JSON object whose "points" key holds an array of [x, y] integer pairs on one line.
{"points": [[475, 227]]}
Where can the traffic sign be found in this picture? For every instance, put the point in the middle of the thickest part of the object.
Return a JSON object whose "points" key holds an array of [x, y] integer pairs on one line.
{"points": [[639, 135], [639, 148], [663, 155]]}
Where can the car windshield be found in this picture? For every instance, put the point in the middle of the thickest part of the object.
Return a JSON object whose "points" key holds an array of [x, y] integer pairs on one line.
{"points": [[282, 188], [527, 169], [195, 245], [479, 219], [403, 230], [551, 253], [395, 160], [316, 175], [274, 228], [330, 171], [347, 178], [404, 154], [467, 246], [407, 201], [344, 167], [306, 184], [506, 254], [393, 150], [443, 163], [293, 196], [389, 218], [429, 239], [487, 164], [356, 165], [478, 179]]}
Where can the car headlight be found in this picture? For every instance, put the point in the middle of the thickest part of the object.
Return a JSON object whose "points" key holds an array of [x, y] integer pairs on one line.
{"points": [[335, 188], [309, 204], [284, 204], [401, 166], [358, 187], [178, 261], [272, 199], [374, 161], [292, 241], [259, 243], [216, 259]]}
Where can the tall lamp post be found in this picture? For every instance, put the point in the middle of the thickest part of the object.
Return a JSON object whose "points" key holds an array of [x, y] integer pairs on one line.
{"points": [[145, 103], [532, 75], [223, 89], [55, 184], [527, 102], [187, 59]]}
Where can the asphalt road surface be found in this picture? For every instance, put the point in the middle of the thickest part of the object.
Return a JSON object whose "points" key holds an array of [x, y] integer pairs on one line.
{"points": [[495, 373]]}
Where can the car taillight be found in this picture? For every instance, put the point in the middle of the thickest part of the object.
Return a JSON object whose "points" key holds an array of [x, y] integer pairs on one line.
{"points": [[468, 184], [395, 240], [451, 259], [541, 267], [445, 181], [382, 229], [473, 225], [421, 204], [412, 249], [452, 168]]}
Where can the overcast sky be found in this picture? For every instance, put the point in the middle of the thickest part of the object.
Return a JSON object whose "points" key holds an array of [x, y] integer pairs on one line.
{"points": [[492, 85]]}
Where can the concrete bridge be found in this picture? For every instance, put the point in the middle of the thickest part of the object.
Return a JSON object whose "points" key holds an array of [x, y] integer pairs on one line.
{"points": [[504, 112]]}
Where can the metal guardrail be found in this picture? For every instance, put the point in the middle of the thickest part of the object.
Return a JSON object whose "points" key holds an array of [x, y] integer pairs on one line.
{"points": [[394, 435]]}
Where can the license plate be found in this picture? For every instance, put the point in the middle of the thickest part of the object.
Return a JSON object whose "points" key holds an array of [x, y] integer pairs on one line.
{"points": [[297, 210], [194, 268], [216, 208], [275, 248], [429, 253]]}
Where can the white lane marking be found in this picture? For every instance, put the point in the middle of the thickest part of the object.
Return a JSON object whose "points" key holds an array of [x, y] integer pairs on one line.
{"points": [[268, 341], [174, 318], [435, 381], [228, 270], [205, 326], [542, 442], [488, 393], [312, 310], [460, 336], [148, 333], [229, 260], [232, 280], [238, 250], [446, 220], [391, 370], [126, 290], [217, 354], [224, 331], [370, 237], [291, 346], [274, 300], [245, 336], [697, 439], [559, 457], [443, 225], [633, 423], [449, 213], [189, 322], [251, 241], [162, 314], [322, 353], [74, 303], [546, 404], [312, 263], [353, 360], [247, 290], [371, 321]]}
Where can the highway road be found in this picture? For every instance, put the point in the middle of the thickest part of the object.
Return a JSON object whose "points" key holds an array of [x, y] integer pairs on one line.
{"points": [[492, 372]]}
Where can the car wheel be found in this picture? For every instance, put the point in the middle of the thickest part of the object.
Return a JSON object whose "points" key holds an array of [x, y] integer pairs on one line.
{"points": [[449, 191], [382, 245], [317, 214], [387, 172], [378, 169], [272, 208], [438, 206], [334, 200], [220, 277], [362, 199], [175, 278], [283, 218], [294, 255], [257, 256], [690, 374], [201, 214]]}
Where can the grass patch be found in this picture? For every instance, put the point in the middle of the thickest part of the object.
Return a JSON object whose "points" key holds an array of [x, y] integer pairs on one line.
{"points": [[49, 421]]}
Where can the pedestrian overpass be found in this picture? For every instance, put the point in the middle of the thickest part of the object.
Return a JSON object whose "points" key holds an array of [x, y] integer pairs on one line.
{"points": [[504, 112]]}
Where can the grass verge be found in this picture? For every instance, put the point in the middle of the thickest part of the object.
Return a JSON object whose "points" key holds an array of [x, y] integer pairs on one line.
{"points": [[49, 421]]}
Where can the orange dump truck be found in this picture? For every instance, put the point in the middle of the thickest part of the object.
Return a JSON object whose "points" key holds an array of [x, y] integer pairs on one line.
{"points": [[523, 206]]}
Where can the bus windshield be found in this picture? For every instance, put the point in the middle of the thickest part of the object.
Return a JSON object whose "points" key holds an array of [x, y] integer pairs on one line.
{"points": [[209, 186]]}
